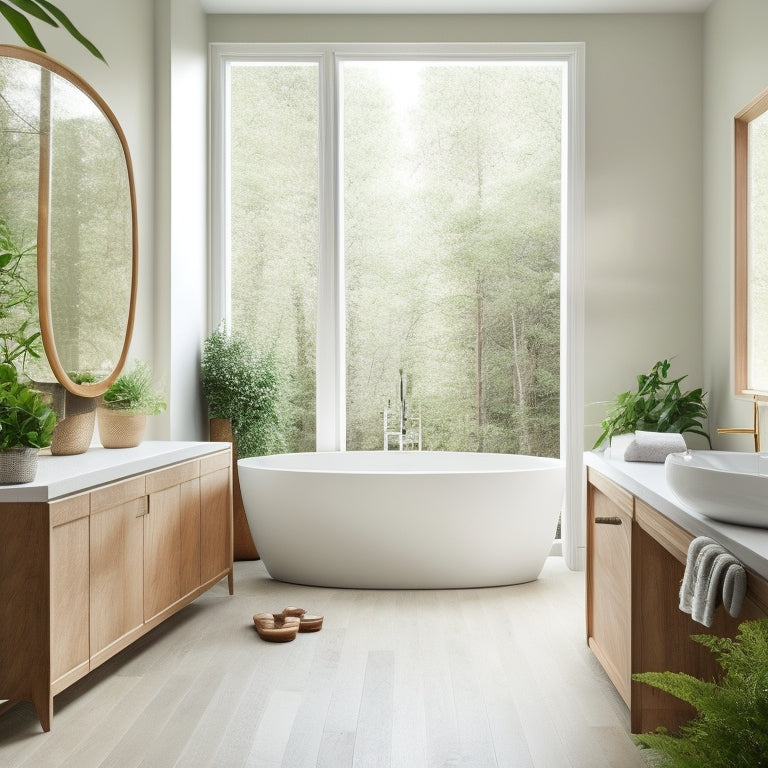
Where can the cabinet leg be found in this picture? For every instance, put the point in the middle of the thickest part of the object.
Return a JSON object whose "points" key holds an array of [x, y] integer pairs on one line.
{"points": [[44, 707], [231, 581]]}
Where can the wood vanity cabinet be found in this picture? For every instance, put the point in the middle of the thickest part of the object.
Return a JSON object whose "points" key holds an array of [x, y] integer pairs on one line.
{"points": [[83, 576], [635, 564]]}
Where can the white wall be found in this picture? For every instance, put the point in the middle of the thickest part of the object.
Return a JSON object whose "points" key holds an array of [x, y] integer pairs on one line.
{"points": [[643, 169], [736, 70]]}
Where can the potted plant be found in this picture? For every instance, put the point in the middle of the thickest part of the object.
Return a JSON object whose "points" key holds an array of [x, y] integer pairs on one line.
{"points": [[658, 405], [26, 425], [124, 407], [242, 391], [730, 729]]}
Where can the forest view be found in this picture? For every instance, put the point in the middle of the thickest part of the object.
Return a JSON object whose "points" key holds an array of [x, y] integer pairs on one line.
{"points": [[450, 179]]}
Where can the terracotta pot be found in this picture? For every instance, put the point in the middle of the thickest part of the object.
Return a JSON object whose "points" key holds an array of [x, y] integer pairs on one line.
{"points": [[242, 542], [118, 429]]}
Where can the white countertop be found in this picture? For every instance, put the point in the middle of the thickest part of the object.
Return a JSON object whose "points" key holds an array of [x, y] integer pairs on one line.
{"points": [[63, 475], [646, 481]]}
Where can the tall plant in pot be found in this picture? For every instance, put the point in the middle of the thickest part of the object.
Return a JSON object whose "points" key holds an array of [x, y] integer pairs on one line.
{"points": [[242, 391], [123, 411], [26, 425]]}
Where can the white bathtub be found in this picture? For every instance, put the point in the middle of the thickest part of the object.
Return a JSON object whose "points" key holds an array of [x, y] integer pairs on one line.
{"points": [[411, 520]]}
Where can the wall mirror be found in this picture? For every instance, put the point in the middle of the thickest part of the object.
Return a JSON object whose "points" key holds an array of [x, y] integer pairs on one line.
{"points": [[751, 247], [67, 191]]}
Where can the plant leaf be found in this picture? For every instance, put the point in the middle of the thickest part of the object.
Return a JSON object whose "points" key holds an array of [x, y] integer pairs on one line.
{"points": [[70, 27], [21, 26], [33, 9]]}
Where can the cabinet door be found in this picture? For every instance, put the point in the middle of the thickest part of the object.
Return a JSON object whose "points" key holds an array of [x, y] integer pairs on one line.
{"points": [[70, 590], [215, 516], [189, 498], [609, 592], [162, 551], [117, 553]]}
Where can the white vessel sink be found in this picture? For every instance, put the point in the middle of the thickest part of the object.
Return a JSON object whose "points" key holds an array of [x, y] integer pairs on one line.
{"points": [[726, 486]]}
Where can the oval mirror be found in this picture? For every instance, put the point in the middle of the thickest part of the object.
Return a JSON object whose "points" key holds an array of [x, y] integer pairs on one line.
{"points": [[70, 181]]}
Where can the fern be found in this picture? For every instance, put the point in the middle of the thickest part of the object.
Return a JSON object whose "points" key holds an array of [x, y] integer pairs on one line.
{"points": [[730, 729]]}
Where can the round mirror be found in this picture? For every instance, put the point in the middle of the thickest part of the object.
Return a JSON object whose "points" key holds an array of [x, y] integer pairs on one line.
{"points": [[69, 181]]}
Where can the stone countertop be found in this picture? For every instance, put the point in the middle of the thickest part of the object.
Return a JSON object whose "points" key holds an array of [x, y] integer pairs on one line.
{"points": [[59, 476], [647, 481]]}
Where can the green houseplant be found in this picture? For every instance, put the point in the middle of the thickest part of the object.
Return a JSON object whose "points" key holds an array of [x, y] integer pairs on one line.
{"points": [[26, 425], [124, 407], [242, 391], [658, 405], [730, 729]]}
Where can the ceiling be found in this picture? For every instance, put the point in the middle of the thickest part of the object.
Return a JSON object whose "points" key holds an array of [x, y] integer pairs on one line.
{"points": [[455, 6]]}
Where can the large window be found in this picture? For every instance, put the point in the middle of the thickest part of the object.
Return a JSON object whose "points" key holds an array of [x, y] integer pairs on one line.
{"points": [[392, 231]]}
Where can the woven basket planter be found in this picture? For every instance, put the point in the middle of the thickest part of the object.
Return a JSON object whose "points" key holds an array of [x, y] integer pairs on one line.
{"points": [[119, 429], [18, 465], [73, 434]]}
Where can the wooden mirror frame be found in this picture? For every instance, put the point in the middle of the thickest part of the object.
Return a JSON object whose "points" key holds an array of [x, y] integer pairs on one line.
{"points": [[753, 110], [43, 217]]}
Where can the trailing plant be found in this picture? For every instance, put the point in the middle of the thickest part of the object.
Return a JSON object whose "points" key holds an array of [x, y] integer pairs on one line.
{"points": [[19, 327], [730, 729], [26, 420], [43, 11], [133, 392], [242, 386], [658, 405]]}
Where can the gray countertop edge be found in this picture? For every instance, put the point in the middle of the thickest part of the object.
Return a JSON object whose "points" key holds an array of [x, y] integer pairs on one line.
{"points": [[646, 481], [59, 476]]}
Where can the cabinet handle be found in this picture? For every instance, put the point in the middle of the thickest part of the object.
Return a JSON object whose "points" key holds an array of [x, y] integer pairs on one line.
{"points": [[143, 507], [608, 520]]}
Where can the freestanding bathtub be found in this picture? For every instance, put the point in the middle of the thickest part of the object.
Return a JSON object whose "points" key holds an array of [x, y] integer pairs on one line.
{"points": [[410, 520]]}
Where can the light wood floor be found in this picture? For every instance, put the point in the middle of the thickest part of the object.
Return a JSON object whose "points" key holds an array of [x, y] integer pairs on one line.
{"points": [[479, 678]]}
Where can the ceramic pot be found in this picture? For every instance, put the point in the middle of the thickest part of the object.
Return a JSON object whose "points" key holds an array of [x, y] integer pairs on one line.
{"points": [[119, 429]]}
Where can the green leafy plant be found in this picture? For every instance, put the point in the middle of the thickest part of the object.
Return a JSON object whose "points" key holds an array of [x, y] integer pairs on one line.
{"points": [[134, 392], [242, 386], [41, 10], [26, 420], [730, 729], [19, 327], [658, 405]]}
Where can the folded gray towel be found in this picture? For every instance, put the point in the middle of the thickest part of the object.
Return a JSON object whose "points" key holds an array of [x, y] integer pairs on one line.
{"points": [[689, 577], [654, 446], [712, 575], [734, 588]]}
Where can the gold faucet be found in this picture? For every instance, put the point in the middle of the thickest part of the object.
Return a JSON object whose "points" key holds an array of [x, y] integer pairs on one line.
{"points": [[745, 430]]}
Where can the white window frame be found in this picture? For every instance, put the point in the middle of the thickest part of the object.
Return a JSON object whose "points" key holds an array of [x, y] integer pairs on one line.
{"points": [[330, 366]]}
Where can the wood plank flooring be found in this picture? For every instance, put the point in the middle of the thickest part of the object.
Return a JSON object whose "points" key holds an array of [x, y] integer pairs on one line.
{"points": [[479, 678]]}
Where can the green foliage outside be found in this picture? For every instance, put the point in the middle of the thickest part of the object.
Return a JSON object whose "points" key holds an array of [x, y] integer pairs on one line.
{"points": [[19, 327], [133, 392], [451, 229], [730, 729], [26, 420], [242, 386], [658, 405], [19, 19]]}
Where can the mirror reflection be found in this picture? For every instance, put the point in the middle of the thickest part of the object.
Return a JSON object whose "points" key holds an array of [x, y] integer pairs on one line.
{"points": [[68, 194]]}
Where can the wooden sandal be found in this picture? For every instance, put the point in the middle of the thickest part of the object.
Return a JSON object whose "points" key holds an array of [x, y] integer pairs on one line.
{"points": [[276, 627], [307, 622]]}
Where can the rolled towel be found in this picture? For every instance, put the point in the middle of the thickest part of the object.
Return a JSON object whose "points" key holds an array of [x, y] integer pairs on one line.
{"points": [[654, 446], [734, 588], [689, 577]]}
